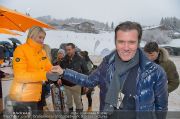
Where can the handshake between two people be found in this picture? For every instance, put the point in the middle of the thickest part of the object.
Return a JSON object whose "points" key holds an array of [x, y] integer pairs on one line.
{"points": [[54, 75]]}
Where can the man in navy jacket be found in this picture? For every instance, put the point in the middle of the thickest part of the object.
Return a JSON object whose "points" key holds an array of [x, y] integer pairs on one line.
{"points": [[126, 71]]}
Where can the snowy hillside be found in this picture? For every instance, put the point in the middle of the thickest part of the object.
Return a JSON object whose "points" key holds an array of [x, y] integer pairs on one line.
{"points": [[99, 43]]}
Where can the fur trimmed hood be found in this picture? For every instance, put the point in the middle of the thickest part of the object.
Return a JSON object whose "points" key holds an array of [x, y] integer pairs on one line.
{"points": [[164, 55]]}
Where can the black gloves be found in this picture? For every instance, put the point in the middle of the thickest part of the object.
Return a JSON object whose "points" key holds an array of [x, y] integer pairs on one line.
{"points": [[52, 76]]}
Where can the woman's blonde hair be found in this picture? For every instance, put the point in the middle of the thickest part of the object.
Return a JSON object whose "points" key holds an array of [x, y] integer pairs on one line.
{"points": [[47, 49], [34, 31]]}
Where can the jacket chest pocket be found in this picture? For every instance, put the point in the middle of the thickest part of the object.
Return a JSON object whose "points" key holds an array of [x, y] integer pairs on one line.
{"points": [[42, 62]]}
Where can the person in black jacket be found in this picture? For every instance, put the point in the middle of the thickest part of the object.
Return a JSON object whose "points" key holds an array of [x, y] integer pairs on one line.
{"points": [[73, 61]]}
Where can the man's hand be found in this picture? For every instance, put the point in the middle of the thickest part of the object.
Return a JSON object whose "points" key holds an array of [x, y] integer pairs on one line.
{"points": [[57, 69]]}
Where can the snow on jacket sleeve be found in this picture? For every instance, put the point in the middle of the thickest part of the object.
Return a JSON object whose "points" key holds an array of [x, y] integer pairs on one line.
{"points": [[161, 91], [86, 81]]}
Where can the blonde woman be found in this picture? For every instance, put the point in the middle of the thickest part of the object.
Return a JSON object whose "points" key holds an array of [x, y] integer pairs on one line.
{"points": [[31, 68]]}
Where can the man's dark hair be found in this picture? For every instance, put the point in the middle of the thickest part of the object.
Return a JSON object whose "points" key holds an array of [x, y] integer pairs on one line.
{"points": [[128, 25], [151, 47], [71, 44]]}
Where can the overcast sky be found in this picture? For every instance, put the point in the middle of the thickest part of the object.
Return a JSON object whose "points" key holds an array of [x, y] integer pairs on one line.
{"points": [[147, 12]]}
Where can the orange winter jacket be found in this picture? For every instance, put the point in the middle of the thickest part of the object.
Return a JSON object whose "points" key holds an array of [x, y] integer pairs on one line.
{"points": [[30, 65]]}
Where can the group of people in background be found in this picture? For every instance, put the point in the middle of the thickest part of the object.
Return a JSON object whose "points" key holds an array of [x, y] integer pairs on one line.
{"points": [[129, 78], [80, 62]]}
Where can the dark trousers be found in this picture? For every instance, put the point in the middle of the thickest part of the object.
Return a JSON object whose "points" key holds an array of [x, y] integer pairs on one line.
{"points": [[89, 97]]}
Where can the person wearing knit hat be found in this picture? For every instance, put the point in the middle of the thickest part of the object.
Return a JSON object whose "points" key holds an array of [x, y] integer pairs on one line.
{"points": [[60, 57], [61, 51]]}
